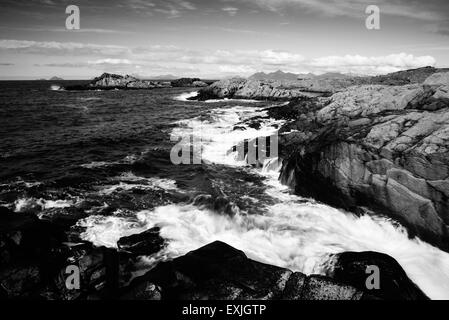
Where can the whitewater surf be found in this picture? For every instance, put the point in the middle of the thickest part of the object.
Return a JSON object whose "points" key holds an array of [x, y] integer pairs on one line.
{"points": [[287, 230]]}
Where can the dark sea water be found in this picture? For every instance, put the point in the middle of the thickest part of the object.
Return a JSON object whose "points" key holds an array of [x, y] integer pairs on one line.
{"points": [[58, 145], [100, 161]]}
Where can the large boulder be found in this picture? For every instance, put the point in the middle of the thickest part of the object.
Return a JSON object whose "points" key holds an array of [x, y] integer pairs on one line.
{"points": [[351, 268], [145, 243], [218, 271], [29, 253]]}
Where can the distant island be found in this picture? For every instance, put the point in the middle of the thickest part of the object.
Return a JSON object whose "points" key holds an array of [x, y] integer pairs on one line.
{"points": [[109, 81], [51, 79]]}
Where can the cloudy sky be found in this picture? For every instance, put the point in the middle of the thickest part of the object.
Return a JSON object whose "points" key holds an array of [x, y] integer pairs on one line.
{"points": [[219, 38]]}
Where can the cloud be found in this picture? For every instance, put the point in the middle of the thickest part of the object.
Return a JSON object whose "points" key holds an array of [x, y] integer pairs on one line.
{"points": [[232, 11], [169, 8], [59, 48], [110, 61], [370, 65], [205, 62], [356, 8]]}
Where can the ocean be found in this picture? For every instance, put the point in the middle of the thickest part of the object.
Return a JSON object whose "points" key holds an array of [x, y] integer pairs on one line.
{"points": [[100, 162]]}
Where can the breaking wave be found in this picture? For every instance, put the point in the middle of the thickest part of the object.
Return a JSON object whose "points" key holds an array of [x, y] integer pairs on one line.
{"points": [[289, 231]]}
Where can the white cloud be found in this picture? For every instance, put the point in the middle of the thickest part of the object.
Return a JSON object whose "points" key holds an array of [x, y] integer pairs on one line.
{"points": [[205, 62], [232, 11], [169, 8], [60, 48], [354, 8], [110, 61], [370, 65]]}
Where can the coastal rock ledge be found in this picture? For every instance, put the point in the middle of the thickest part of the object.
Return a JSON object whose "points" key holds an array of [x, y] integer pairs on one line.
{"points": [[35, 254], [385, 148], [218, 271]]}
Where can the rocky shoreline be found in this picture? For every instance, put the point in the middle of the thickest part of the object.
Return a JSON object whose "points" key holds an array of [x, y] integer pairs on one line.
{"points": [[36, 254], [382, 145], [286, 90], [108, 81]]}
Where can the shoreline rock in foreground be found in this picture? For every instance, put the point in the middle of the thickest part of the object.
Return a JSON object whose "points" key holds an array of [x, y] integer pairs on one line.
{"points": [[218, 271], [36, 253]]}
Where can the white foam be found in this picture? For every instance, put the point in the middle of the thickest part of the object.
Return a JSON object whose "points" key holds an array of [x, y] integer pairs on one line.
{"points": [[217, 135], [97, 164], [186, 95], [292, 233], [55, 87], [23, 204], [129, 181], [129, 159], [231, 100]]}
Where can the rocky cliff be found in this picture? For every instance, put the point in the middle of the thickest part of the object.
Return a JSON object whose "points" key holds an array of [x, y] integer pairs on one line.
{"points": [[382, 147]]}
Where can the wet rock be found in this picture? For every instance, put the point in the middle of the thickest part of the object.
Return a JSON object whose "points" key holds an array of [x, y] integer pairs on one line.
{"points": [[351, 268], [29, 253], [145, 243], [322, 288], [218, 204], [216, 271], [20, 281], [294, 286], [143, 291], [219, 271]]}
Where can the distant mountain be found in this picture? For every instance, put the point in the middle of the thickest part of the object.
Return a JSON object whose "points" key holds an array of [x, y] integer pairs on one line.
{"points": [[327, 75], [164, 77], [278, 75], [55, 79]]}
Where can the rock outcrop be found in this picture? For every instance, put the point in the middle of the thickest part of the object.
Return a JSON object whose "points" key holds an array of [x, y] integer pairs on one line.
{"points": [[351, 268], [378, 146], [143, 243], [239, 88], [325, 85], [108, 81], [35, 254], [218, 271], [188, 82]]}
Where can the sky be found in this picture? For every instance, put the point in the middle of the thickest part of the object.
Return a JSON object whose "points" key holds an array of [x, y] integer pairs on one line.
{"points": [[219, 38]]}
